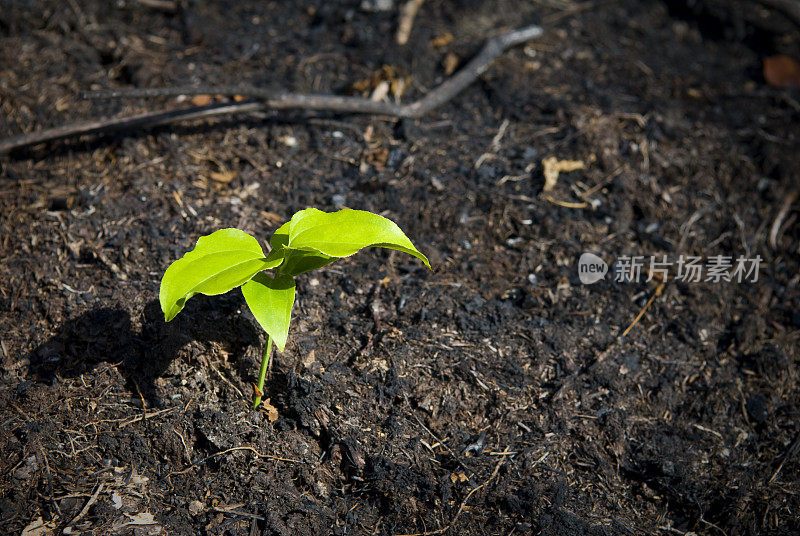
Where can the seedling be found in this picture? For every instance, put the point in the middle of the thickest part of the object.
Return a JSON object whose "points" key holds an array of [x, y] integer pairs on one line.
{"points": [[231, 258]]}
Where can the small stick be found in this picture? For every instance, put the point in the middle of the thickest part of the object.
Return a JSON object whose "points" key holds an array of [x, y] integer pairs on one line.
{"points": [[144, 120], [89, 503], [407, 14], [168, 6], [656, 294], [464, 502], [233, 511], [233, 449], [791, 452], [270, 100], [776, 225]]}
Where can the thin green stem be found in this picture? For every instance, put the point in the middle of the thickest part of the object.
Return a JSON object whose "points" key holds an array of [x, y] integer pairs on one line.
{"points": [[262, 373]]}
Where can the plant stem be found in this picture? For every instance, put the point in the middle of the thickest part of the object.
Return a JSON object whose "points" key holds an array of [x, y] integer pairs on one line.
{"points": [[262, 373]]}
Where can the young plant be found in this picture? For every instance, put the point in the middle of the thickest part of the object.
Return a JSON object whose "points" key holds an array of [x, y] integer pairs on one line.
{"points": [[231, 258]]}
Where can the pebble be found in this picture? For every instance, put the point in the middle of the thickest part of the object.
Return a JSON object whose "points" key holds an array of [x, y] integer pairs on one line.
{"points": [[195, 507]]}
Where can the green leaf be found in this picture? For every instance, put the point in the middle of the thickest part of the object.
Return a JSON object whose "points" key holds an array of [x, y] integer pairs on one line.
{"points": [[295, 261], [218, 263], [342, 233], [299, 262], [280, 237], [278, 243], [271, 300]]}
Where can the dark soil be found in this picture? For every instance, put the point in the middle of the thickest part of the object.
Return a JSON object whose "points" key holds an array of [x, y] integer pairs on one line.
{"points": [[494, 395]]}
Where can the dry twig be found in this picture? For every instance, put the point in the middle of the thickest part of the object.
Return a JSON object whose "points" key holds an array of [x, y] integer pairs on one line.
{"points": [[779, 219], [233, 449], [656, 294], [464, 502], [407, 14], [264, 99], [793, 449], [89, 503]]}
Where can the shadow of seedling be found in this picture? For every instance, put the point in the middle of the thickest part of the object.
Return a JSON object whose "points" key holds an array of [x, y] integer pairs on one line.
{"points": [[108, 335]]}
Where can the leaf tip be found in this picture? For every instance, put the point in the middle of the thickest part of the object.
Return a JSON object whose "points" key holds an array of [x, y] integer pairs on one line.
{"points": [[425, 261]]}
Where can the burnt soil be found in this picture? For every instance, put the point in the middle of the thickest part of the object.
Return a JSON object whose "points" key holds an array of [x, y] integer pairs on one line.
{"points": [[493, 395]]}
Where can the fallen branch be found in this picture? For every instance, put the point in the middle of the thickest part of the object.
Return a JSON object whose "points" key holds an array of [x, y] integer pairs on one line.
{"points": [[263, 99], [106, 126]]}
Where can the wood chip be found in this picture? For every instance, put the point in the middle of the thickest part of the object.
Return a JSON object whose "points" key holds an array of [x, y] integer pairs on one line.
{"points": [[442, 40], [201, 100], [223, 177], [553, 166], [450, 63], [39, 527]]}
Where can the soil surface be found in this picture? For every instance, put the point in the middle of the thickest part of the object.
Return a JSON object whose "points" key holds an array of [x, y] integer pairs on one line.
{"points": [[496, 394]]}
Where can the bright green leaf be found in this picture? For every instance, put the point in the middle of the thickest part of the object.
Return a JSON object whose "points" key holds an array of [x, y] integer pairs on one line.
{"points": [[278, 243], [299, 262], [295, 261], [342, 233], [218, 263], [276, 256], [271, 300], [280, 237]]}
